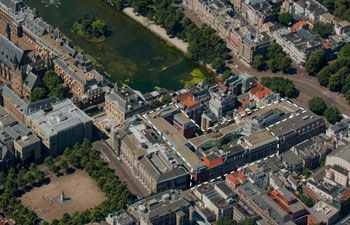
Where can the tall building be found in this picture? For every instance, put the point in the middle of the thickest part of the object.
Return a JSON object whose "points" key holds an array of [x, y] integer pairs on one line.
{"points": [[62, 127]]}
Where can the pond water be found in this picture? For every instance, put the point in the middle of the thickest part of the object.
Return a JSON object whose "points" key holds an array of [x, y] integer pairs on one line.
{"points": [[131, 54]]}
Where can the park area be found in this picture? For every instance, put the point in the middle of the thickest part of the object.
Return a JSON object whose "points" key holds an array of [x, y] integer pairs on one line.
{"points": [[80, 193]]}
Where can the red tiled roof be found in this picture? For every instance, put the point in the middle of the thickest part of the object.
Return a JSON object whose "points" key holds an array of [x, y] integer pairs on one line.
{"points": [[299, 25], [236, 177], [260, 91], [233, 179], [187, 99], [212, 163], [222, 86]]}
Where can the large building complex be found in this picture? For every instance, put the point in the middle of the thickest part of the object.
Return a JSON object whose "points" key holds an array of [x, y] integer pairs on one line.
{"points": [[62, 127]]}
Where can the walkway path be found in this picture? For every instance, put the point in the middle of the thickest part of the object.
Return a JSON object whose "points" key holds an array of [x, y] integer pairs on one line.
{"points": [[160, 31]]}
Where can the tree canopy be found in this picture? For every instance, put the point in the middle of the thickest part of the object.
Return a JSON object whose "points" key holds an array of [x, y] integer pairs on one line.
{"points": [[258, 62], [227, 74], [332, 114], [316, 62], [88, 26], [339, 8], [54, 85], [285, 18], [37, 94], [317, 105], [283, 86], [323, 29], [204, 43]]}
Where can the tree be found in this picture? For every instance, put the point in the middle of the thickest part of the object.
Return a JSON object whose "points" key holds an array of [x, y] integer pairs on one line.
{"points": [[337, 80], [258, 62], [48, 161], [316, 62], [272, 64], [274, 50], [332, 114], [323, 29], [226, 75], [283, 86], [285, 18], [54, 168], [166, 99], [285, 64], [99, 26], [58, 92], [51, 80], [344, 51], [155, 104], [317, 105], [29, 177], [218, 63], [63, 164], [37, 94], [324, 75]]}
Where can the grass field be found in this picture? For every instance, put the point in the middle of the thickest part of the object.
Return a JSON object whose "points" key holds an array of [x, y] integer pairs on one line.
{"points": [[80, 190]]}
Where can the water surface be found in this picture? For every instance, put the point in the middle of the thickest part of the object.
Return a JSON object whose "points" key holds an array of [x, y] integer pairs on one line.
{"points": [[131, 54]]}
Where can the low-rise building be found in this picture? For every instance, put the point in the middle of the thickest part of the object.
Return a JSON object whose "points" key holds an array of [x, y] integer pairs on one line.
{"points": [[325, 212], [120, 218], [291, 161], [184, 125], [172, 207], [217, 197], [26, 145]]}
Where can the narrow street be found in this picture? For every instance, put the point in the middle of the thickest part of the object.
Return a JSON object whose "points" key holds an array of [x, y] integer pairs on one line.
{"points": [[121, 170]]}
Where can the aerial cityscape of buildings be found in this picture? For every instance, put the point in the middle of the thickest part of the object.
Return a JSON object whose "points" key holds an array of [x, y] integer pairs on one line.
{"points": [[232, 149]]}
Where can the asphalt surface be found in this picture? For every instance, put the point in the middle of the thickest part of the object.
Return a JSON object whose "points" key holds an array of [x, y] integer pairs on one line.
{"points": [[121, 170], [308, 86]]}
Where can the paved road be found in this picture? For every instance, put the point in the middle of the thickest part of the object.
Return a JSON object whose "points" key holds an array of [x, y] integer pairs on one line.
{"points": [[121, 170], [307, 85]]}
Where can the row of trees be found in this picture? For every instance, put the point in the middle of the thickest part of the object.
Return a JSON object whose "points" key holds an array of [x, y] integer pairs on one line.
{"points": [[53, 87], [318, 106], [82, 157], [276, 60], [13, 183], [336, 75], [339, 8], [204, 43], [284, 86]]}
